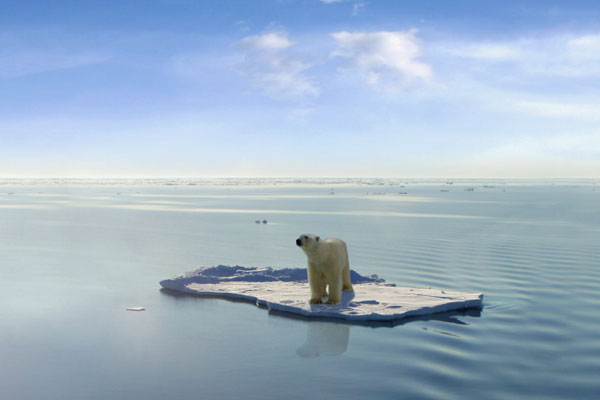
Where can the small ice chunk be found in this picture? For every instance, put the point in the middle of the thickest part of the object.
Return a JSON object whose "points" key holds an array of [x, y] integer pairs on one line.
{"points": [[136, 309]]}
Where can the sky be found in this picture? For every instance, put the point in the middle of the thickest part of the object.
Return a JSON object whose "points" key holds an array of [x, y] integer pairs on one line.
{"points": [[300, 88]]}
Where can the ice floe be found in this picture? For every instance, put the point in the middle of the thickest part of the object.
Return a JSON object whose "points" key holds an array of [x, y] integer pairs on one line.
{"points": [[287, 290]]}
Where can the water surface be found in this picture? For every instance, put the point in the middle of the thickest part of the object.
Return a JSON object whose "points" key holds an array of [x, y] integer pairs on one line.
{"points": [[73, 256]]}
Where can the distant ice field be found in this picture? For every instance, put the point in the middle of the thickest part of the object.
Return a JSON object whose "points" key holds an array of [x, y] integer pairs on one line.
{"points": [[74, 255]]}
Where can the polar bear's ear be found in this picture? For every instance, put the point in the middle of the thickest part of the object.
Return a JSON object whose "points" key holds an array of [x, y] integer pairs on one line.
{"points": [[318, 238]]}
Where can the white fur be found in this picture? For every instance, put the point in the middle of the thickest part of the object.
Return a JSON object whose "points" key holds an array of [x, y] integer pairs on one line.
{"points": [[327, 266]]}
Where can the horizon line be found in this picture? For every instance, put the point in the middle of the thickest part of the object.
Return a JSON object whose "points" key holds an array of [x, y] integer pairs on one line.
{"points": [[284, 178]]}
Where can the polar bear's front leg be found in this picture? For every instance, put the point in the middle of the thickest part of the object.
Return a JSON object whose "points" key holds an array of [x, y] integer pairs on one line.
{"points": [[317, 288], [335, 291]]}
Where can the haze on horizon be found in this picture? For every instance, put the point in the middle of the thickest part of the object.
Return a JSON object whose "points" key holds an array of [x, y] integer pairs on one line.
{"points": [[300, 88]]}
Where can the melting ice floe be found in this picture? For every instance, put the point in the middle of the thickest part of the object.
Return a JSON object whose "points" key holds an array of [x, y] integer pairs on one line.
{"points": [[287, 290]]}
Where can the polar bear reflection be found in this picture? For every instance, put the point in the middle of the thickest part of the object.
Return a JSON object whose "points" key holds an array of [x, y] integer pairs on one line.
{"points": [[324, 339]]}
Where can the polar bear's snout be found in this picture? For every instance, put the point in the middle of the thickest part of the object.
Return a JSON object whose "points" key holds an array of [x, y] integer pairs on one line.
{"points": [[298, 242]]}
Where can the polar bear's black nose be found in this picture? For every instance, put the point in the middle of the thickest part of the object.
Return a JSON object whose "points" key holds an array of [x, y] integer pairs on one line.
{"points": [[298, 242]]}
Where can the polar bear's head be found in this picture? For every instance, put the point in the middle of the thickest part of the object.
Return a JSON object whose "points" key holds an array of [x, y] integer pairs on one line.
{"points": [[307, 242]]}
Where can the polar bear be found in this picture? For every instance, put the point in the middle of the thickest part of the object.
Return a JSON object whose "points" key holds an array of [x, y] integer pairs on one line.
{"points": [[327, 265]]}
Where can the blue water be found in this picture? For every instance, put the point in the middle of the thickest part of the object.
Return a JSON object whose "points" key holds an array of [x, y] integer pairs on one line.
{"points": [[74, 256]]}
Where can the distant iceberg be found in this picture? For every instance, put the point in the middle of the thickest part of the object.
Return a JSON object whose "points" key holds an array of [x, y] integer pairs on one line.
{"points": [[287, 290]]}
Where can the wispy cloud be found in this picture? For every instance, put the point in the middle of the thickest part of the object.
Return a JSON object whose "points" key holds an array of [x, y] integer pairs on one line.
{"points": [[558, 55], [390, 58], [356, 7], [31, 62], [581, 111], [561, 155], [301, 114], [202, 67], [555, 145], [273, 68], [551, 77]]}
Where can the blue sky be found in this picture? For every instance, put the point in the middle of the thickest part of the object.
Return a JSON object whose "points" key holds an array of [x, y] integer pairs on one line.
{"points": [[300, 88]]}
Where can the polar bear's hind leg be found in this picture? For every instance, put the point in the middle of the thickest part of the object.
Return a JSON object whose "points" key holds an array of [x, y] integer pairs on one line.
{"points": [[323, 289], [347, 285], [335, 291]]}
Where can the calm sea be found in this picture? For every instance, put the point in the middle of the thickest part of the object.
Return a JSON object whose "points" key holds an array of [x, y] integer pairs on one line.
{"points": [[75, 255]]}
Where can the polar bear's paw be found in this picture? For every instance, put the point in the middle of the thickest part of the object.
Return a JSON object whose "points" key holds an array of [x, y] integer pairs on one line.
{"points": [[316, 301], [333, 302]]}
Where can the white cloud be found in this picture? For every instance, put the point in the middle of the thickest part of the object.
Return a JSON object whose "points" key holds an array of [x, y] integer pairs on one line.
{"points": [[384, 57], [273, 68], [268, 42], [586, 46]]}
